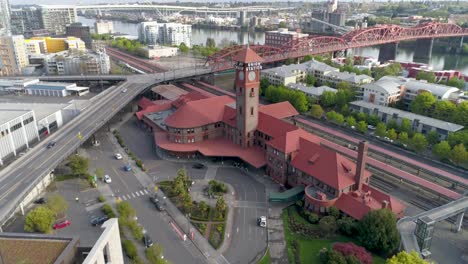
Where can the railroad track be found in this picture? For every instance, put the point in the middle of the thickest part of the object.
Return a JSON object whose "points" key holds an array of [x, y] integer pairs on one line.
{"points": [[135, 61]]}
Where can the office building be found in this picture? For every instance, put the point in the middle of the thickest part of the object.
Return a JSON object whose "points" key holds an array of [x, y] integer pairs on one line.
{"points": [[16, 84], [148, 32], [53, 45], [282, 38], [104, 27], [26, 19], [35, 46], [382, 92], [79, 31], [13, 55], [55, 89], [70, 63], [311, 91], [153, 33], [336, 18], [5, 20], [55, 18]]}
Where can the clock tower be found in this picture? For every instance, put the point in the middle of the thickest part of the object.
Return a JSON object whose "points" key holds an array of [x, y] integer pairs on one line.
{"points": [[247, 85]]}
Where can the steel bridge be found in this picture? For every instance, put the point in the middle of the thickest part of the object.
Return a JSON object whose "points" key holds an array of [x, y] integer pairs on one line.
{"points": [[313, 45]]}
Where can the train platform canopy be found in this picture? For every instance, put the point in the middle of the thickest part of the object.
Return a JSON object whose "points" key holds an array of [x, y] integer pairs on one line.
{"points": [[292, 194]]}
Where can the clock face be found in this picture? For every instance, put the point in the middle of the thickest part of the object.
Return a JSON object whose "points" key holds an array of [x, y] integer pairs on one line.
{"points": [[252, 76], [241, 75]]}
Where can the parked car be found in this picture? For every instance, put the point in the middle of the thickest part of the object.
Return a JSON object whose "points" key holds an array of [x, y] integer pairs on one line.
{"points": [[127, 168], [51, 144], [99, 220], [261, 221], [62, 224], [198, 166], [157, 203], [147, 241], [107, 179], [118, 156], [41, 200], [124, 90]]}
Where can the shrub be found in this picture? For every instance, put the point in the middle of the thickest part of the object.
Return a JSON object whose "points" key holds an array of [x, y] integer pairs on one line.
{"points": [[101, 198], [311, 217], [347, 226], [333, 211], [327, 225], [154, 254], [331, 256], [217, 187], [108, 211], [129, 248], [137, 230], [299, 203], [125, 210], [39, 219], [351, 249]]}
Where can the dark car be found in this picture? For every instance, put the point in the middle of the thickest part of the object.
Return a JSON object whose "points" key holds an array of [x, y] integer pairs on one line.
{"points": [[99, 220], [147, 241], [51, 144], [157, 203], [198, 166], [127, 168], [154, 199], [41, 200]]}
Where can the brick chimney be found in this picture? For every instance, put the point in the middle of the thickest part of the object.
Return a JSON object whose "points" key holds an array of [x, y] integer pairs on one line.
{"points": [[361, 164]]}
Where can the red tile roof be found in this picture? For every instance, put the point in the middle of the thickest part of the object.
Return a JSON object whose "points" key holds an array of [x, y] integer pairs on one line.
{"points": [[199, 113], [219, 147], [247, 55], [279, 110], [290, 141], [192, 96], [169, 91], [325, 165], [162, 105], [230, 116], [357, 204], [272, 126], [144, 103]]}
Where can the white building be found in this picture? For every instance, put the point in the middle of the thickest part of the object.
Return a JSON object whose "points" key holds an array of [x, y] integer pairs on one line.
{"points": [[55, 18], [382, 92], [35, 46], [285, 74], [104, 27], [311, 91], [13, 58], [152, 52], [20, 51], [56, 89], [153, 33], [68, 63], [108, 247], [16, 84]]}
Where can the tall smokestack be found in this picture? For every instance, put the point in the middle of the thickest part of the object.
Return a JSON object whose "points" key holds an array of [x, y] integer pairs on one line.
{"points": [[361, 164]]}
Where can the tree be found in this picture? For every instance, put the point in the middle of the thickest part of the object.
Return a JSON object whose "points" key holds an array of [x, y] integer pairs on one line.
{"points": [[432, 137], [57, 204], [378, 232], [351, 249], [310, 79], [339, 119], [210, 43], [78, 164], [392, 134], [403, 138], [282, 24], [458, 137], [343, 97], [183, 48], [444, 110], [316, 111], [373, 120], [459, 154], [328, 99], [418, 142], [392, 123], [381, 129], [154, 254], [327, 225], [362, 116], [428, 76], [351, 121], [39, 219], [441, 150], [331, 256], [220, 206], [333, 211], [404, 257], [347, 226], [461, 114], [405, 125], [422, 103], [126, 210], [343, 86], [203, 207], [361, 126], [455, 82], [307, 58]]}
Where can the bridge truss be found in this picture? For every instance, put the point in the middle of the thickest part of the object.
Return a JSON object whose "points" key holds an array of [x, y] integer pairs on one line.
{"points": [[313, 45]]}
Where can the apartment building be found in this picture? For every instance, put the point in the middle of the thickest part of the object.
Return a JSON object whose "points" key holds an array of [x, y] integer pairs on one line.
{"points": [[55, 18], [283, 38], [104, 27], [154, 33], [68, 63], [13, 55]]}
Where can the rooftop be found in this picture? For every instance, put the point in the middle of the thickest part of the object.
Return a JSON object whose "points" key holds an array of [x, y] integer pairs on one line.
{"points": [[388, 86], [311, 90], [247, 55], [169, 91], [40, 110], [438, 90], [8, 115], [451, 127]]}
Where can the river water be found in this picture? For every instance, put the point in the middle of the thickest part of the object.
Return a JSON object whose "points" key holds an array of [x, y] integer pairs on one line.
{"points": [[439, 61]]}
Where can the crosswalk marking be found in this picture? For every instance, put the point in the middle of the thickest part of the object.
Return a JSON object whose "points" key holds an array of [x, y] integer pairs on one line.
{"points": [[142, 193], [146, 191], [137, 193], [134, 194]]}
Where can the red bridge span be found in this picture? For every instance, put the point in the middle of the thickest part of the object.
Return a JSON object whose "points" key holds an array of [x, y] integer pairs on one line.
{"points": [[313, 45]]}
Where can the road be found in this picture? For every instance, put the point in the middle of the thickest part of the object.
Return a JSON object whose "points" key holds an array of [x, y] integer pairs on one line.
{"points": [[17, 179], [126, 186]]}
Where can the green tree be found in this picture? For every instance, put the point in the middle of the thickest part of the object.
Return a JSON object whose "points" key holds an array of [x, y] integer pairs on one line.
{"points": [[347, 226], [392, 134], [330, 256], [362, 116], [310, 79], [210, 43], [378, 232], [203, 207], [333, 211], [316, 111], [39, 219], [126, 210], [344, 96], [461, 114], [331, 116], [432, 137], [422, 103], [455, 82], [403, 138], [361, 126], [339, 119], [307, 58], [458, 137], [404, 257], [444, 110], [57, 204], [381, 129], [328, 99], [392, 123], [459, 154], [441, 150], [220, 206], [282, 24], [351, 121], [154, 254], [418, 142], [78, 164], [129, 248], [327, 225], [428, 76], [405, 125], [373, 120], [343, 86], [183, 48]]}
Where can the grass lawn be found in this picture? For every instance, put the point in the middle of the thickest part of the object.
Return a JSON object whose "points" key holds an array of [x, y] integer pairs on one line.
{"points": [[309, 248], [265, 259]]}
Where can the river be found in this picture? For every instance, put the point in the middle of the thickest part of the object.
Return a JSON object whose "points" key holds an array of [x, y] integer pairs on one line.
{"points": [[439, 61]]}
